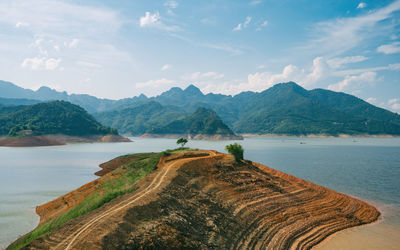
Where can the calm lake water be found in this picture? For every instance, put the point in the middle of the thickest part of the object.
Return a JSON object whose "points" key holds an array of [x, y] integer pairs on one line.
{"points": [[368, 168]]}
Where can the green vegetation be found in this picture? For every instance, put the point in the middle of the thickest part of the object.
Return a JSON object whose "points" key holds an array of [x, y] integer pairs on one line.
{"points": [[57, 117], [139, 119], [130, 174], [236, 150], [182, 142], [286, 108], [202, 122]]}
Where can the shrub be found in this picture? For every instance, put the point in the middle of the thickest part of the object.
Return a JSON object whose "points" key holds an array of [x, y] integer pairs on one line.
{"points": [[236, 150]]}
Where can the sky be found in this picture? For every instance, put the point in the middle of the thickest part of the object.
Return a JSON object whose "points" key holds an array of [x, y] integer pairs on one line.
{"points": [[118, 49]]}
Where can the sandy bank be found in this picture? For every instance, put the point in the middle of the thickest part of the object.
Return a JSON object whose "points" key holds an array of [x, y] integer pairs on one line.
{"points": [[245, 135], [218, 137], [55, 140], [382, 234]]}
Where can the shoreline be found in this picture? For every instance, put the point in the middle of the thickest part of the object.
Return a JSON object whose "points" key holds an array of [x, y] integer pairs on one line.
{"points": [[380, 234], [380, 219], [58, 140], [248, 135]]}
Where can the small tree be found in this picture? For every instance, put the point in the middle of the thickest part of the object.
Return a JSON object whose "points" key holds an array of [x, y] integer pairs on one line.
{"points": [[236, 150], [182, 142]]}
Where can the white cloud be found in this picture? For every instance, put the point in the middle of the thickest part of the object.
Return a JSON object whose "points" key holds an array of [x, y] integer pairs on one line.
{"points": [[86, 80], [154, 21], [354, 82], [243, 25], [391, 104], [261, 25], [339, 61], [149, 19], [34, 63], [72, 44], [88, 64], [52, 63], [21, 24], [372, 100], [38, 63], [203, 76], [58, 17], [154, 87], [393, 67], [262, 66], [255, 2], [247, 21], [392, 48], [329, 36], [171, 4], [165, 67], [394, 105], [238, 27], [361, 5]]}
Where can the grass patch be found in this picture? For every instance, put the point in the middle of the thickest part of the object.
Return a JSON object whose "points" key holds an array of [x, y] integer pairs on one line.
{"points": [[130, 174]]}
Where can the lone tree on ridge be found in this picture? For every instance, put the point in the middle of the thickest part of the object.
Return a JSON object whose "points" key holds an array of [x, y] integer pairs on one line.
{"points": [[182, 142], [236, 150]]}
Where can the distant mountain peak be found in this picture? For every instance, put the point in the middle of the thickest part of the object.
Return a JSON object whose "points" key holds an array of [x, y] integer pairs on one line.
{"points": [[193, 90]]}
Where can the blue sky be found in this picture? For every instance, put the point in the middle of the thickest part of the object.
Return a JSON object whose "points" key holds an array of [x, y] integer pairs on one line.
{"points": [[116, 49]]}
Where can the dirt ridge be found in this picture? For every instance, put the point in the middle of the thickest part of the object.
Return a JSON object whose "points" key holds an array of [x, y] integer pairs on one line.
{"points": [[211, 201]]}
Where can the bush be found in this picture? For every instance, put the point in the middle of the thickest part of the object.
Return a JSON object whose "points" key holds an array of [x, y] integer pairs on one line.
{"points": [[236, 150]]}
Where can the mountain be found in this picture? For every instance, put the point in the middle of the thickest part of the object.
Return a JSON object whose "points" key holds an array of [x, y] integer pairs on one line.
{"points": [[90, 103], [137, 120], [203, 123], [17, 101], [56, 117], [285, 108]]}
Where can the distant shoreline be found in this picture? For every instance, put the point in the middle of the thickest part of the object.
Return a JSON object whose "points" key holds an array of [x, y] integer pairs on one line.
{"points": [[57, 140], [248, 135]]}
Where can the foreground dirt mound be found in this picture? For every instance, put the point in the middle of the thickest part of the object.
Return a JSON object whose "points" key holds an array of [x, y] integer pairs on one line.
{"points": [[212, 202]]}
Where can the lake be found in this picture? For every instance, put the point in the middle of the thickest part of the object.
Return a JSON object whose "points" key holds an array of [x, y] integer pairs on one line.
{"points": [[368, 168]]}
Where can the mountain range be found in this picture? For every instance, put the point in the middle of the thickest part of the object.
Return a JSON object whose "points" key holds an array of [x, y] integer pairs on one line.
{"points": [[285, 108]]}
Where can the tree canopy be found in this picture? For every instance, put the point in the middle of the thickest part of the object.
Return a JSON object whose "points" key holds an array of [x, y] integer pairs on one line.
{"points": [[236, 150], [182, 142]]}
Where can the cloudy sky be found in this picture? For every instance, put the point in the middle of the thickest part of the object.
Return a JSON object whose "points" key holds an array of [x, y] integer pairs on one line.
{"points": [[116, 49]]}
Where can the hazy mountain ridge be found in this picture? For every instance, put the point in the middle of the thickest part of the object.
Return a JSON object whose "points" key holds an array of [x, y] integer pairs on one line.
{"points": [[285, 108]]}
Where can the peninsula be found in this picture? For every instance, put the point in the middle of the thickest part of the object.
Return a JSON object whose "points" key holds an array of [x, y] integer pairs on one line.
{"points": [[190, 198]]}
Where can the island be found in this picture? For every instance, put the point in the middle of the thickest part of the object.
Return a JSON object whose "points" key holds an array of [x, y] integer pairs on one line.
{"points": [[51, 123], [191, 198]]}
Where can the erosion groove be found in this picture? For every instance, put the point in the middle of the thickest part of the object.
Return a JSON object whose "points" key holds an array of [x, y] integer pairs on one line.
{"points": [[206, 200]]}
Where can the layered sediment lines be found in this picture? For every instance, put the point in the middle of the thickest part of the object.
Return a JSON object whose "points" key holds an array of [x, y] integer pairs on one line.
{"points": [[213, 202]]}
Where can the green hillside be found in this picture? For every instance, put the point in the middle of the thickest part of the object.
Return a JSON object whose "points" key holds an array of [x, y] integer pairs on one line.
{"points": [[202, 122], [56, 117], [139, 119]]}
